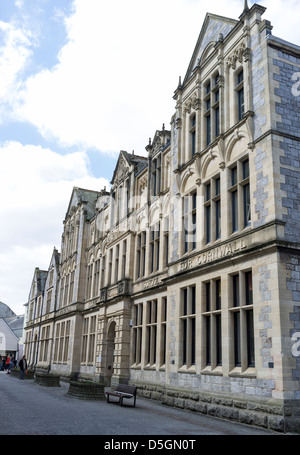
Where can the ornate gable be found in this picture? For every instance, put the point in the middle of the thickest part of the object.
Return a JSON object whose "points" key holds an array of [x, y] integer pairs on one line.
{"points": [[212, 29], [121, 170]]}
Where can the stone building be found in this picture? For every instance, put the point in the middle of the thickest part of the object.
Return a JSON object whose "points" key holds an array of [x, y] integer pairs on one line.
{"points": [[184, 277]]}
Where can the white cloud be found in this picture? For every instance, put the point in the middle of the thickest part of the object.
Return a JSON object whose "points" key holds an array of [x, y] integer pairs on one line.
{"points": [[111, 89], [14, 54], [115, 79], [35, 187]]}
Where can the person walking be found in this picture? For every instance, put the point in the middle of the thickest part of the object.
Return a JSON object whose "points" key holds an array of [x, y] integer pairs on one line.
{"points": [[23, 367], [7, 364]]}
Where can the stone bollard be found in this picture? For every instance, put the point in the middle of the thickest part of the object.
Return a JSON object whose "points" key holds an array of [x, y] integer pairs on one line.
{"points": [[86, 390], [47, 379]]}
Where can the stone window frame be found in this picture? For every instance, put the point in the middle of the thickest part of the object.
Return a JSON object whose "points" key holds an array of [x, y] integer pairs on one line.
{"points": [[151, 329], [212, 315], [61, 341], [137, 333], [48, 301], [141, 250], [149, 333], [187, 327], [163, 331], [88, 340], [212, 208], [45, 341], [96, 273], [192, 134], [124, 254], [238, 188], [156, 175], [189, 219], [239, 88], [211, 103], [155, 234], [241, 323]]}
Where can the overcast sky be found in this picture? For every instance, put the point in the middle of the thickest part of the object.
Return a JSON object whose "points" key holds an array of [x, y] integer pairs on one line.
{"points": [[81, 80]]}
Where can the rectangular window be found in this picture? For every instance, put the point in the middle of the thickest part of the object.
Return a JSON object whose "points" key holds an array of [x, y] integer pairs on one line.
{"points": [[89, 281], [110, 264], [208, 129], [240, 195], [166, 242], [217, 121], [193, 134], [189, 222], [156, 175], [212, 323], [250, 339], [151, 331], [188, 324], [49, 297], [212, 210], [246, 194], [92, 338], [124, 253], [96, 278], [141, 254], [154, 247], [242, 320], [117, 263], [163, 341], [137, 333], [240, 94], [237, 339]]}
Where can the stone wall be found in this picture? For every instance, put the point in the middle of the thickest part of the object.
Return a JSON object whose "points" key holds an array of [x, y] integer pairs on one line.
{"points": [[265, 413]]}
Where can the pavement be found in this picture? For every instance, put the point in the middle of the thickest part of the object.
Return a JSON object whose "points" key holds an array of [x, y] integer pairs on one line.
{"points": [[26, 408]]}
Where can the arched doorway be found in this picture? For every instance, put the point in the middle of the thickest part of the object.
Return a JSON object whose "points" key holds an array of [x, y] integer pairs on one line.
{"points": [[110, 352]]}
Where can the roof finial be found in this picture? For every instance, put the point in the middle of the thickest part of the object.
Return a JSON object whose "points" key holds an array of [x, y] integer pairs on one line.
{"points": [[246, 7]]}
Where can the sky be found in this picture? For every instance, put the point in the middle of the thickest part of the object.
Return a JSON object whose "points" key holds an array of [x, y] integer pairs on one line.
{"points": [[81, 80]]}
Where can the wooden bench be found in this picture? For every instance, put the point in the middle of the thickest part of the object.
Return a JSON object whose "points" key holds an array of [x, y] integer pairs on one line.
{"points": [[122, 391]]}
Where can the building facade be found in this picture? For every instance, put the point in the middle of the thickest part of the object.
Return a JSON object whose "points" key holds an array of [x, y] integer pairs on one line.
{"points": [[184, 277]]}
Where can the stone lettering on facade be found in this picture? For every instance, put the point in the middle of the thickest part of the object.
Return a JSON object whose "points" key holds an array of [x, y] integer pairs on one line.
{"points": [[212, 255]]}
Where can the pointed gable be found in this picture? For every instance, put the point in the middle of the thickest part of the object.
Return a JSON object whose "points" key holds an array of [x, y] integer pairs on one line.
{"points": [[127, 163], [213, 26], [88, 197]]}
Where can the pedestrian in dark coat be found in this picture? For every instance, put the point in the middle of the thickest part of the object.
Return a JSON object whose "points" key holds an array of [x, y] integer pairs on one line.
{"points": [[23, 367]]}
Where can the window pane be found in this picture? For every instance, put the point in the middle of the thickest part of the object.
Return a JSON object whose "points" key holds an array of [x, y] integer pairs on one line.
{"points": [[237, 339], [250, 339], [241, 103], [234, 211], [219, 339], [248, 286], [208, 344], [207, 210], [207, 291], [236, 291], [218, 294], [218, 219], [247, 205], [193, 341]]}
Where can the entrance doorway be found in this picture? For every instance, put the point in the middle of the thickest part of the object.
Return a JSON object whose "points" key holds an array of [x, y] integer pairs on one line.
{"points": [[110, 352]]}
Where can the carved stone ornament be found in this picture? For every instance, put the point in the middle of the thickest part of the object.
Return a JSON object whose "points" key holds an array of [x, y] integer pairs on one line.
{"points": [[192, 103], [121, 172], [237, 55]]}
